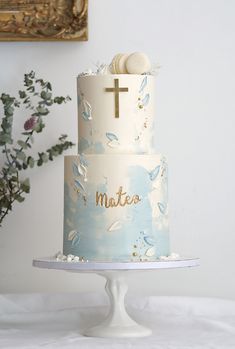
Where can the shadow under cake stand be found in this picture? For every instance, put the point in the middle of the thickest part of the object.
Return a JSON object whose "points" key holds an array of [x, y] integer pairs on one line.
{"points": [[118, 323]]}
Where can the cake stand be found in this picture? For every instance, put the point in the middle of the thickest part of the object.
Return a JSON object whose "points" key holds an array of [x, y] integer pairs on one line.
{"points": [[118, 323]]}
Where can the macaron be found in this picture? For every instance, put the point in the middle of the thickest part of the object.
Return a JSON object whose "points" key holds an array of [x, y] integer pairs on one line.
{"points": [[114, 63], [137, 63], [118, 64]]}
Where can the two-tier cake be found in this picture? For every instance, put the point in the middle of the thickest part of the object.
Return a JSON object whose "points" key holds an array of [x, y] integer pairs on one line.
{"points": [[115, 190]]}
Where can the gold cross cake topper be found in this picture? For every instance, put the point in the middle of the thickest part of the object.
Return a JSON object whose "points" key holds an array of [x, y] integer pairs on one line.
{"points": [[116, 89]]}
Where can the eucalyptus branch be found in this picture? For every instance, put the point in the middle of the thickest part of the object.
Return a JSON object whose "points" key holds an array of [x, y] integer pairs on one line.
{"points": [[35, 98]]}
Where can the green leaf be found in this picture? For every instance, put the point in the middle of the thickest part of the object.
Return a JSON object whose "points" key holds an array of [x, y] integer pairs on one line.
{"points": [[22, 144], [22, 94], [5, 202], [48, 85], [25, 185], [27, 100], [40, 162], [45, 157], [21, 155], [5, 138], [46, 95], [39, 127], [32, 74], [27, 80], [2, 183], [54, 152], [59, 100], [42, 110], [30, 162], [40, 81], [19, 198], [63, 137], [9, 110], [31, 89], [12, 169], [49, 102], [18, 165], [14, 179]]}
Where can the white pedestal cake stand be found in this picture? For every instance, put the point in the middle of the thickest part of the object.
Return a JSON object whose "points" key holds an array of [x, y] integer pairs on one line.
{"points": [[118, 323]]}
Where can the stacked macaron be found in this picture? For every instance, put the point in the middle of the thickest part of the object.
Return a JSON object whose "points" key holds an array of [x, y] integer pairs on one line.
{"points": [[135, 63]]}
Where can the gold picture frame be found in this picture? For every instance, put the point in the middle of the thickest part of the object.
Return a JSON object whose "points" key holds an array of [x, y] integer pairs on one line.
{"points": [[43, 20]]}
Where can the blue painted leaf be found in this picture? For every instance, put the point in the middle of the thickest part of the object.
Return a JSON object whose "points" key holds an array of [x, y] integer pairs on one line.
{"points": [[86, 114], [83, 160], [145, 100], [143, 84], [154, 173], [79, 185], [76, 239], [75, 170], [162, 207], [149, 240], [111, 136]]}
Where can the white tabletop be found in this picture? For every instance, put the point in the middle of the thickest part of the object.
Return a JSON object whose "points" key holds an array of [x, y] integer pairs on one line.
{"points": [[56, 321]]}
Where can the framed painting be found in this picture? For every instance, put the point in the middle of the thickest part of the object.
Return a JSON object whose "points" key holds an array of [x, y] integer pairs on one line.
{"points": [[43, 20]]}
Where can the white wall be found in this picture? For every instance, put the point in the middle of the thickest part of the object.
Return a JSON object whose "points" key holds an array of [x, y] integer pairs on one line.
{"points": [[195, 43]]}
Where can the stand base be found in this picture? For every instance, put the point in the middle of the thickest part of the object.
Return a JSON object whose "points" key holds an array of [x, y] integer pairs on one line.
{"points": [[118, 324], [105, 331]]}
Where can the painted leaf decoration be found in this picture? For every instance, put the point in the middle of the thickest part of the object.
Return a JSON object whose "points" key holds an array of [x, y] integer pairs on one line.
{"points": [[75, 170], [86, 116], [87, 106], [150, 252], [83, 170], [154, 173], [72, 234], [111, 136], [143, 84], [79, 185], [80, 170], [162, 207], [145, 100], [115, 226], [76, 239], [149, 240], [87, 110], [83, 160]]}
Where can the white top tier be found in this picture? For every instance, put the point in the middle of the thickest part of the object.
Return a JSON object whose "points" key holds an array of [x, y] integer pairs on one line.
{"points": [[115, 113]]}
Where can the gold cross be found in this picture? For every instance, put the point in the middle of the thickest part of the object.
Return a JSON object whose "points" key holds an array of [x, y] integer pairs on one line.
{"points": [[116, 89]]}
